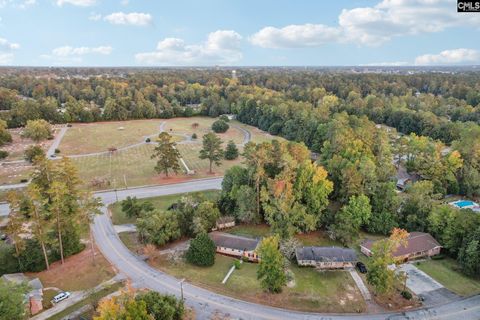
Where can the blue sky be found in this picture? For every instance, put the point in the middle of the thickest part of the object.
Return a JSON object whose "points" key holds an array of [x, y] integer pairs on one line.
{"points": [[236, 32]]}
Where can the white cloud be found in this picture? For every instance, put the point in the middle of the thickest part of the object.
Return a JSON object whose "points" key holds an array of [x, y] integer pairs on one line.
{"points": [[94, 16], [6, 48], [22, 4], [293, 36], [371, 26], [67, 51], [449, 57], [221, 47], [78, 3], [134, 18]]}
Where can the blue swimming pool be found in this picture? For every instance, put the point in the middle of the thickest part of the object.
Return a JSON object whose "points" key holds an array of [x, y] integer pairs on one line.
{"points": [[464, 203]]}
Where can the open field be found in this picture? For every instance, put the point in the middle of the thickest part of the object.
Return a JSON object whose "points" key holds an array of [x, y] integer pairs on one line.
{"points": [[16, 148], [13, 174], [161, 203], [78, 273], [446, 272], [332, 291], [84, 138]]}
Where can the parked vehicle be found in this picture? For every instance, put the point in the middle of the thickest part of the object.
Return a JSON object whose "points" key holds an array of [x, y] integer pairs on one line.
{"points": [[61, 296], [3, 236], [361, 267]]}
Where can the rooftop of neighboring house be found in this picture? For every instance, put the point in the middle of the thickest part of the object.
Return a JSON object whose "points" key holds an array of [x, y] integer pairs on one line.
{"points": [[231, 241], [416, 242], [326, 254]]}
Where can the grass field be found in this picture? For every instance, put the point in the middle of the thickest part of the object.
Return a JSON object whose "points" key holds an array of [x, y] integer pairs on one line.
{"points": [[14, 174], [162, 203], [99, 136], [332, 291], [446, 272]]}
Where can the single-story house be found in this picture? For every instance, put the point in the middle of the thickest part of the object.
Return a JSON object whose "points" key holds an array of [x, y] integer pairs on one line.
{"points": [[35, 296], [326, 257], [224, 222], [404, 178], [419, 245], [236, 246]]}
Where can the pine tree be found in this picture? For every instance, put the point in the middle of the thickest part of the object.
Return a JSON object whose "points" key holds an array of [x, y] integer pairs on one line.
{"points": [[212, 149], [167, 155], [231, 152], [271, 268]]}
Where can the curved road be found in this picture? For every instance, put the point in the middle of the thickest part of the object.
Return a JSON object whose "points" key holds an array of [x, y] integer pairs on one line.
{"points": [[207, 303]]}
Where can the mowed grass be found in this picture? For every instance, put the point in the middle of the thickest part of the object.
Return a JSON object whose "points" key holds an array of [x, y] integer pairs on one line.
{"points": [[161, 203], [331, 291], [14, 174], [99, 136], [446, 271]]}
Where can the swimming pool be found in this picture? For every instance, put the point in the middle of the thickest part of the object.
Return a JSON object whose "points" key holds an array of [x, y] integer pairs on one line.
{"points": [[464, 203]]}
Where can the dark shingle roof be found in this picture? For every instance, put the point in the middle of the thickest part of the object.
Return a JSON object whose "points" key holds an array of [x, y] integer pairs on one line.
{"points": [[231, 241], [326, 254], [416, 242]]}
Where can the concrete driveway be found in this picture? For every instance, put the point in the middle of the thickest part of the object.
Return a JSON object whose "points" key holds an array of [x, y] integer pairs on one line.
{"points": [[424, 286]]}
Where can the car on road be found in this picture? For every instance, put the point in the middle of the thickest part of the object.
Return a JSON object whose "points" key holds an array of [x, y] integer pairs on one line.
{"points": [[61, 296], [361, 267]]}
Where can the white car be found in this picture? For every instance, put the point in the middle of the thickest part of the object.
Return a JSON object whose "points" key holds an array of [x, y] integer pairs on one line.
{"points": [[61, 296]]}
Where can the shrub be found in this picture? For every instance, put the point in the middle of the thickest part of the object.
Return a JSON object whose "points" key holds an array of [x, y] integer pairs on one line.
{"points": [[224, 117], [231, 152], [57, 151], [165, 307], [201, 251], [237, 264], [194, 136], [148, 140], [33, 152], [3, 154], [220, 126], [406, 294]]}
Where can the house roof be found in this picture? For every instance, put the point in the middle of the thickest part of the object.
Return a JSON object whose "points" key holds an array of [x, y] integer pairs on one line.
{"points": [[225, 219], [326, 254], [231, 241], [416, 242]]}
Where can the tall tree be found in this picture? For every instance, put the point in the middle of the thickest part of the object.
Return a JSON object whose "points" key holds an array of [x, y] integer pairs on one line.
{"points": [[270, 270], [16, 219], [37, 130], [166, 154], [211, 149], [12, 298]]}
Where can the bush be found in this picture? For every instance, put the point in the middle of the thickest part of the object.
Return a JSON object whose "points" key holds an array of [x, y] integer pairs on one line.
{"points": [[33, 152], [57, 151], [165, 307], [201, 251], [3, 154], [148, 140], [231, 152], [438, 257], [220, 126], [237, 264], [224, 118], [23, 180], [194, 136], [406, 294]]}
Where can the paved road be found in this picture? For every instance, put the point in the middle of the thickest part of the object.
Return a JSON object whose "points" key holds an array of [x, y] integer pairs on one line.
{"points": [[56, 142]]}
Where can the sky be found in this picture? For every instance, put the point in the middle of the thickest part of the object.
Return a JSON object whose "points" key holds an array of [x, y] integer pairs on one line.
{"points": [[237, 33]]}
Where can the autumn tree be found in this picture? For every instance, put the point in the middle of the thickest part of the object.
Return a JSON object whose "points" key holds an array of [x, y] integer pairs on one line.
{"points": [[123, 306], [379, 275], [37, 130], [5, 136], [211, 150], [270, 270], [350, 218], [166, 154], [16, 220]]}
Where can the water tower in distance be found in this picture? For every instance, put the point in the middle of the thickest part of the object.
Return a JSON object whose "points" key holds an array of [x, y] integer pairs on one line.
{"points": [[234, 74]]}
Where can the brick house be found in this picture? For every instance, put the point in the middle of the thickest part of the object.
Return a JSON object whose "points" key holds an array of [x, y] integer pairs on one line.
{"points": [[235, 246], [326, 257], [419, 245]]}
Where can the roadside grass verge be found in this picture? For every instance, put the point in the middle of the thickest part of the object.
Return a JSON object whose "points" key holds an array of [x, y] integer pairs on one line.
{"points": [[446, 271]]}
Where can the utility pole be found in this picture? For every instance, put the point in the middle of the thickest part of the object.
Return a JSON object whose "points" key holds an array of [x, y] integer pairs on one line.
{"points": [[115, 188], [181, 288]]}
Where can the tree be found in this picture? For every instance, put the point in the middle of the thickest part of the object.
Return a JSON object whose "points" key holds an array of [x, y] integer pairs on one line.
{"points": [[133, 208], [245, 201], [37, 130], [211, 150], [166, 154], [271, 267], [32, 153], [12, 305], [231, 152], [123, 307], [201, 251], [379, 275], [204, 217], [15, 221], [351, 217], [158, 227], [220, 126], [5, 136], [164, 307], [89, 208]]}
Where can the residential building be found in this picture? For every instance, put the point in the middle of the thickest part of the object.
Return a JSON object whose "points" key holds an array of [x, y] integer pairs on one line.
{"points": [[419, 245], [235, 246], [326, 257], [224, 222], [35, 296]]}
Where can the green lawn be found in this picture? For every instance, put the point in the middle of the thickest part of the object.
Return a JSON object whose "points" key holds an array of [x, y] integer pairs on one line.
{"points": [[162, 203], [14, 174], [130, 240], [446, 272], [250, 230], [330, 291]]}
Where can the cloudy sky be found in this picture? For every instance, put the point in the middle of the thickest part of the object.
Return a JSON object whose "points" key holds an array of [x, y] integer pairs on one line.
{"points": [[236, 32]]}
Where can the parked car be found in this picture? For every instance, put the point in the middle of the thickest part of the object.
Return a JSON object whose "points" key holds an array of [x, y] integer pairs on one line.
{"points": [[361, 267], [3, 236], [61, 296]]}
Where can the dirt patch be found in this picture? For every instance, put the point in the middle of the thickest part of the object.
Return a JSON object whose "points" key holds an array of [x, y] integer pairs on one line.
{"points": [[79, 272]]}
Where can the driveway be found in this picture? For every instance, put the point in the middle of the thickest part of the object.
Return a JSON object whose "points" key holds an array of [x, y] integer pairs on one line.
{"points": [[425, 286]]}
